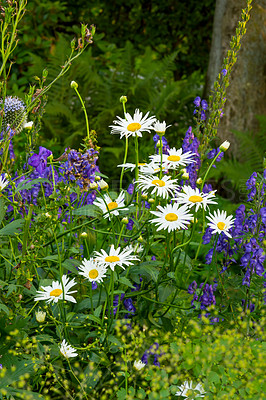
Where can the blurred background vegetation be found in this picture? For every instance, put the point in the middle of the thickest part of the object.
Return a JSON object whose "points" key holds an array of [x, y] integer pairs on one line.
{"points": [[156, 53]]}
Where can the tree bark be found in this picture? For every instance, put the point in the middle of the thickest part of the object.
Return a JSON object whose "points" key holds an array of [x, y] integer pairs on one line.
{"points": [[246, 94]]}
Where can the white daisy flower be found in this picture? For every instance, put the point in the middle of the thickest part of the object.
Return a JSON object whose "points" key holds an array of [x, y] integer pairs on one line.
{"points": [[162, 187], [219, 222], [171, 217], [174, 158], [151, 169], [3, 182], [92, 271], [187, 389], [112, 205], [193, 197], [116, 257], [136, 248], [131, 166], [129, 126], [160, 127], [138, 364], [55, 292], [66, 350]]}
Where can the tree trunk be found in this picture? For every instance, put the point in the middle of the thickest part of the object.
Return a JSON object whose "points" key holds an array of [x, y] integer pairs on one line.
{"points": [[246, 94]]}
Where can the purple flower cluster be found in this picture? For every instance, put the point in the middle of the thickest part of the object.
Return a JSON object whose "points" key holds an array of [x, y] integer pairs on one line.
{"points": [[79, 167], [191, 143], [166, 147], [204, 294], [152, 352], [246, 247], [128, 302], [213, 153], [202, 105]]}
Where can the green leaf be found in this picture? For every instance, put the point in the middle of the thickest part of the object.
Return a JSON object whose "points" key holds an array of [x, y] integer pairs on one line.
{"points": [[114, 340], [2, 209], [12, 228], [126, 281], [89, 210], [213, 377], [4, 308], [148, 268], [28, 185], [95, 319]]}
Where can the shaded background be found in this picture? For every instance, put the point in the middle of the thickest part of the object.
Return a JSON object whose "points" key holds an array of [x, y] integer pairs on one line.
{"points": [[161, 55]]}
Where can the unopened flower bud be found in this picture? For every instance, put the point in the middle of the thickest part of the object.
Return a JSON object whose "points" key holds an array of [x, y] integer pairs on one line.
{"points": [[123, 99], [28, 125], [140, 239], [125, 220], [84, 235], [103, 185], [224, 146], [199, 181], [97, 178], [144, 196], [158, 144], [74, 85], [185, 176], [48, 215], [40, 316], [151, 200], [93, 185]]}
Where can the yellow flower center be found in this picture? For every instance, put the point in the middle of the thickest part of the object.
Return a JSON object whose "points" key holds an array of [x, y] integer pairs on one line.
{"points": [[133, 127], [221, 225], [171, 217], [173, 158], [56, 292], [158, 182], [112, 259], [195, 199], [112, 205], [93, 273]]}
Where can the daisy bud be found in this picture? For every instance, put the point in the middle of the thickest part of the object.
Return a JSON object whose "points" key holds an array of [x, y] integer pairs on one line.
{"points": [[97, 178], [48, 215], [28, 125], [40, 316], [123, 99], [183, 170], [103, 185], [151, 201], [158, 144], [84, 235], [139, 364], [185, 176], [224, 146], [93, 185], [199, 181], [125, 220], [74, 85], [144, 196], [140, 239]]}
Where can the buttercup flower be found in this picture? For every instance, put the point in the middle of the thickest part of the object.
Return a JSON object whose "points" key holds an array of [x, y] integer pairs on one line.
{"points": [[116, 257], [66, 350], [193, 197], [55, 292], [3, 182], [92, 271], [111, 205], [174, 158], [187, 389], [219, 222], [129, 126], [162, 187], [139, 364], [171, 217]]}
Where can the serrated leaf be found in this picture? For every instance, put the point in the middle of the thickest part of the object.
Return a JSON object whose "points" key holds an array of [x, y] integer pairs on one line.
{"points": [[12, 228], [28, 185], [126, 281], [89, 210]]}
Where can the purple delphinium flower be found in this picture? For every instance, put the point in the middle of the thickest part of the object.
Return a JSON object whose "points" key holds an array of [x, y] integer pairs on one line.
{"points": [[197, 101], [191, 143], [130, 188], [166, 147], [152, 352], [204, 105], [224, 71], [39, 161]]}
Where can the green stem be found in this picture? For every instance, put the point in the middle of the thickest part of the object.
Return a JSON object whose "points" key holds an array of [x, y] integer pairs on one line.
{"points": [[85, 112]]}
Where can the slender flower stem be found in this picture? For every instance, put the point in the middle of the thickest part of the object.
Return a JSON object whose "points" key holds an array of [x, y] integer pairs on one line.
{"points": [[85, 112]]}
